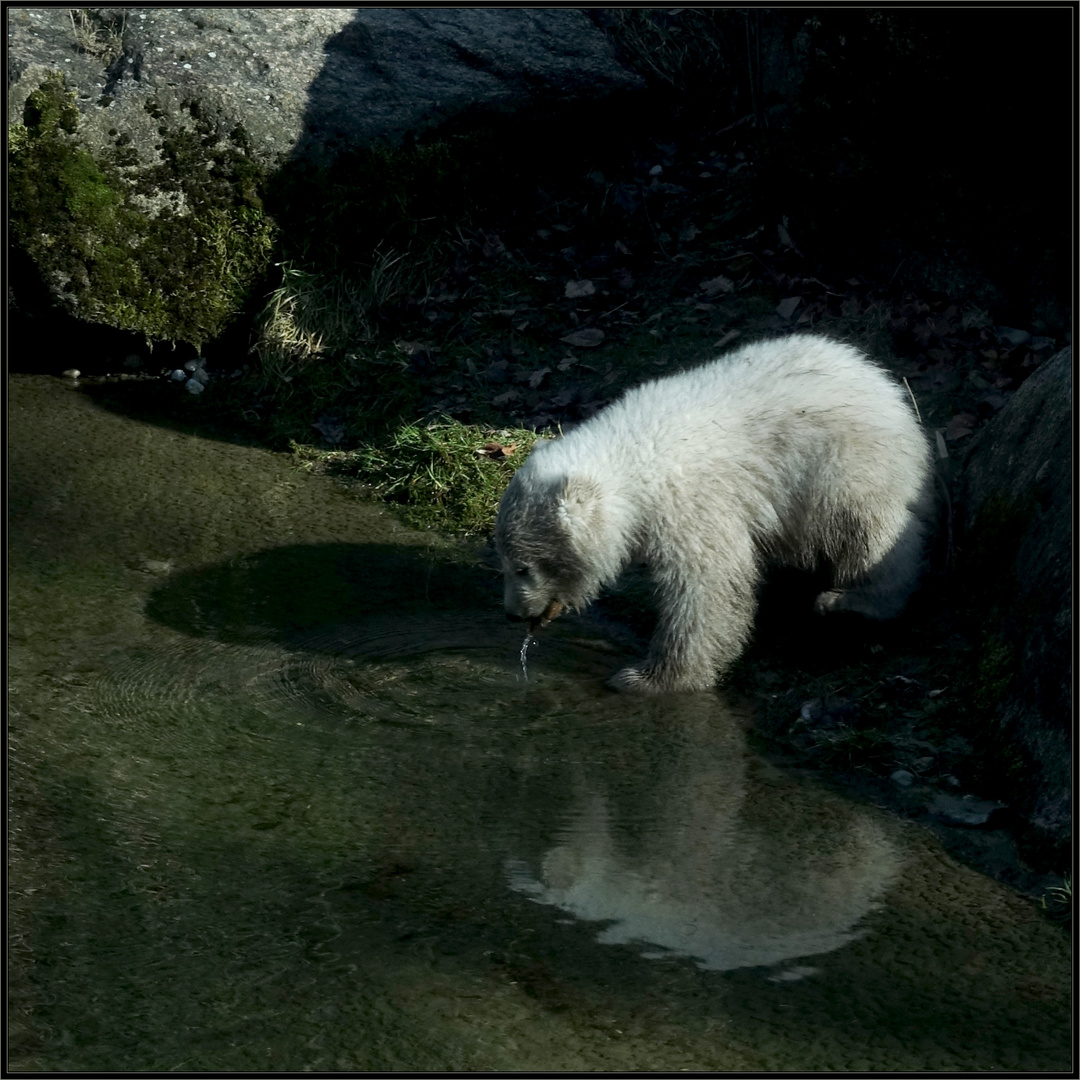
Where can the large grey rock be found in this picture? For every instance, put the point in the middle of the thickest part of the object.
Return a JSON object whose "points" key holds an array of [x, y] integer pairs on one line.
{"points": [[142, 206], [1017, 517], [309, 79]]}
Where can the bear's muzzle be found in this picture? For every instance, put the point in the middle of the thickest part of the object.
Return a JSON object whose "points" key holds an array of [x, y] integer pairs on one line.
{"points": [[549, 613]]}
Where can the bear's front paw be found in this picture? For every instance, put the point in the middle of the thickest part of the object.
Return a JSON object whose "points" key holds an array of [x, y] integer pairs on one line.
{"points": [[829, 601], [651, 680], [634, 680]]}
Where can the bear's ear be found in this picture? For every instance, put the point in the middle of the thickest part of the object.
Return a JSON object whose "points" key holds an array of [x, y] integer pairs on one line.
{"points": [[579, 505]]}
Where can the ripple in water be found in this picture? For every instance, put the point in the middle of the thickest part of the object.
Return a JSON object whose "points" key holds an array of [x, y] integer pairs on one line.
{"points": [[416, 670]]}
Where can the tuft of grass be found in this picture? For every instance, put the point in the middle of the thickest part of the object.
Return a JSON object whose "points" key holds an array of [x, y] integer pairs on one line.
{"points": [[96, 36], [316, 314], [1057, 900], [690, 51], [307, 315], [438, 473]]}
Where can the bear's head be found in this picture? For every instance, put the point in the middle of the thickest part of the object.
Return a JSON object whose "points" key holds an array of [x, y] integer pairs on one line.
{"points": [[550, 536]]}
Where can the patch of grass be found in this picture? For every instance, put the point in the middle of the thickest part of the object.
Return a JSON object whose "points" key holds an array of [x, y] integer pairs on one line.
{"points": [[438, 473]]}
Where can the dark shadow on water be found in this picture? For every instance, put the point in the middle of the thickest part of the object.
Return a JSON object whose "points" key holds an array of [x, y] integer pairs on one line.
{"points": [[302, 589]]}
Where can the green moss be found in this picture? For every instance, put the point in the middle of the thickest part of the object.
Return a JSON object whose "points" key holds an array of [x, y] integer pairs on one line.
{"points": [[997, 664], [50, 106], [175, 273]]}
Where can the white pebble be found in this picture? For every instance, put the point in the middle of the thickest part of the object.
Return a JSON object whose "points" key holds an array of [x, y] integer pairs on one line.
{"points": [[212, 55]]}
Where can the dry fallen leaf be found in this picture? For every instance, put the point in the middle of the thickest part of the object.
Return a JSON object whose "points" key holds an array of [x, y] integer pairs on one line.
{"points": [[496, 451], [717, 285], [586, 338], [960, 425], [786, 308], [577, 289], [493, 246]]}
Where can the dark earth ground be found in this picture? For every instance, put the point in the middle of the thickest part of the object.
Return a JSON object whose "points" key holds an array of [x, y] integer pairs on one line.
{"points": [[548, 305]]}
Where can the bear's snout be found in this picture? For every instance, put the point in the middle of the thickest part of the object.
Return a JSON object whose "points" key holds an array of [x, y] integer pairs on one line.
{"points": [[549, 613]]}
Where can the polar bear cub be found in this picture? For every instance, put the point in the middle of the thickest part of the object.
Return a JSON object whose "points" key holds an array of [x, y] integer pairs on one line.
{"points": [[798, 450]]}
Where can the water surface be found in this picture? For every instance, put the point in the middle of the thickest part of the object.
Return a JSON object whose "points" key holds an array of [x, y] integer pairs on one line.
{"points": [[281, 800]]}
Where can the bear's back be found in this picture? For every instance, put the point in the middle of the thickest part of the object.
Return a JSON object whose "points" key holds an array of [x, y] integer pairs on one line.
{"points": [[768, 425]]}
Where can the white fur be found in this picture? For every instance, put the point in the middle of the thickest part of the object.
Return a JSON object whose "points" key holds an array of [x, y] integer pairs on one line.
{"points": [[798, 450]]}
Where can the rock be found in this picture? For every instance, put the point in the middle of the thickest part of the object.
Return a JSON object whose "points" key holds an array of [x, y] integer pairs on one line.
{"points": [[966, 810], [304, 79], [902, 777], [1015, 554], [159, 131]]}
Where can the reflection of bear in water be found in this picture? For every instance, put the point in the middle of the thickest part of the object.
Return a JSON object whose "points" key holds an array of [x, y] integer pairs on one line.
{"points": [[711, 853], [799, 451]]}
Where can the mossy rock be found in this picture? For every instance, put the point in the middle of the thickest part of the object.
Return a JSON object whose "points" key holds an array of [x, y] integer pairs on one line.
{"points": [[170, 249]]}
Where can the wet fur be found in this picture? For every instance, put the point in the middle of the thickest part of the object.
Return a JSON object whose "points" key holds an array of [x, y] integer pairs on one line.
{"points": [[798, 451]]}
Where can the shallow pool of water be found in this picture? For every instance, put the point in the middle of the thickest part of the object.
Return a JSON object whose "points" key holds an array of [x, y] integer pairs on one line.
{"points": [[280, 799]]}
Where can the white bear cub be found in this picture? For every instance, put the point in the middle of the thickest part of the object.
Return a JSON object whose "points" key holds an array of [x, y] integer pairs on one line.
{"points": [[799, 451]]}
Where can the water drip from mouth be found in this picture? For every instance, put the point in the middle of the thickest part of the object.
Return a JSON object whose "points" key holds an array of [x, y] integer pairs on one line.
{"points": [[529, 639]]}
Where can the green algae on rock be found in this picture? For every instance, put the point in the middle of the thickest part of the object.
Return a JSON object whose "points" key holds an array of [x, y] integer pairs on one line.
{"points": [[170, 249]]}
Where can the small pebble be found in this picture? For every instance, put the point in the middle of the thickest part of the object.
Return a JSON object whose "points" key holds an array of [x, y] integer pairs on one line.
{"points": [[1013, 336]]}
